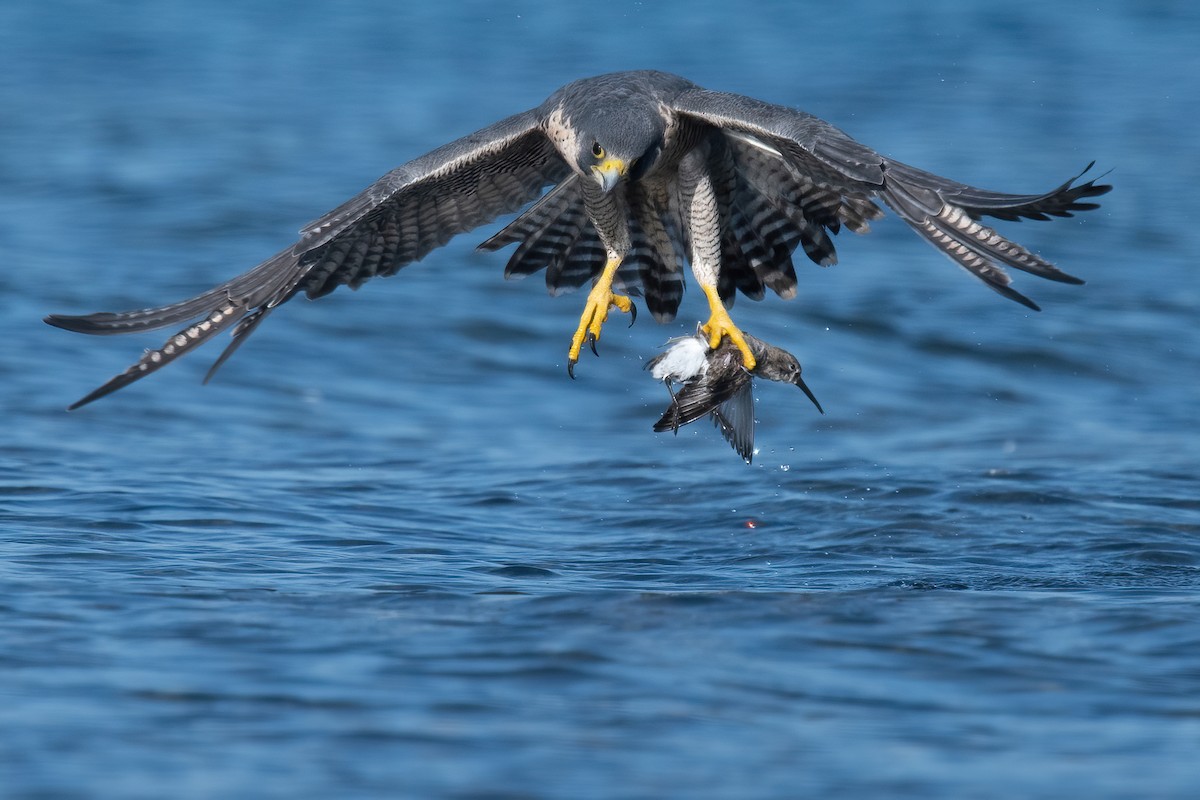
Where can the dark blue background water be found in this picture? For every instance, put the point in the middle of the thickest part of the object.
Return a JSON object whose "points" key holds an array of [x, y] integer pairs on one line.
{"points": [[393, 550]]}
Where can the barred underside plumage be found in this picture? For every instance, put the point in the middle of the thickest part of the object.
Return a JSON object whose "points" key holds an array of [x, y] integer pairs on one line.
{"points": [[732, 184], [581, 262]]}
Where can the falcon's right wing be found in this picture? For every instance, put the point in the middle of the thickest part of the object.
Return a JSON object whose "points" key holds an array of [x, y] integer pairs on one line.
{"points": [[395, 221]]}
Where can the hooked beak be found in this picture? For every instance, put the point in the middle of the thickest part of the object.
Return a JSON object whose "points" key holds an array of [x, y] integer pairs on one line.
{"points": [[800, 382], [608, 172]]}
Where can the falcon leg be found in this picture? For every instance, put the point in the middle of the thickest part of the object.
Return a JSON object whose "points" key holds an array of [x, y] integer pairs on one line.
{"points": [[595, 312], [720, 325], [702, 214]]}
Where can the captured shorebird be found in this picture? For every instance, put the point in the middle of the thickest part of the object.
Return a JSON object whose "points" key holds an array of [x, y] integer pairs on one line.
{"points": [[620, 180], [716, 383]]}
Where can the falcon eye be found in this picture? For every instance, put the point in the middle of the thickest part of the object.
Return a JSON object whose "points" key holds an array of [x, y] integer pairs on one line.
{"points": [[597, 150]]}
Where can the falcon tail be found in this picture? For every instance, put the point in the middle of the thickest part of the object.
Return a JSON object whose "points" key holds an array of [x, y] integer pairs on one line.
{"points": [[946, 214]]}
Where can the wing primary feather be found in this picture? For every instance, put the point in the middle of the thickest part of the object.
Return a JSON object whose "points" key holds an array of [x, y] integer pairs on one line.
{"points": [[735, 419], [955, 231], [1062, 201], [260, 282], [181, 343], [241, 331], [979, 266]]}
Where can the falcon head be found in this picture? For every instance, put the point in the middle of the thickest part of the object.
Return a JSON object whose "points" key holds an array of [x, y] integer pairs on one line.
{"points": [[617, 137]]}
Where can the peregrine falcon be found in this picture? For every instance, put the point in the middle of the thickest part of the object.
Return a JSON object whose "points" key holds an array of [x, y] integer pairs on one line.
{"points": [[627, 177]]}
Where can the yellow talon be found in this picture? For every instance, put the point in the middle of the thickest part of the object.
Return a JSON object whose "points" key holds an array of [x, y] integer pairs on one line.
{"points": [[595, 312], [720, 325]]}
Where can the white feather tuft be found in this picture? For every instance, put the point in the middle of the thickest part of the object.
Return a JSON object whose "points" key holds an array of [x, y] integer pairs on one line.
{"points": [[686, 358]]}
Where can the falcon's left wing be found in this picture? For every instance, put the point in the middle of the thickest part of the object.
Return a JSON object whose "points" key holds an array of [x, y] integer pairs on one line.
{"points": [[840, 176]]}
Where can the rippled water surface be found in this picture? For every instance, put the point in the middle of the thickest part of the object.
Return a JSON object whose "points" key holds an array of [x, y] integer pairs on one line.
{"points": [[393, 551]]}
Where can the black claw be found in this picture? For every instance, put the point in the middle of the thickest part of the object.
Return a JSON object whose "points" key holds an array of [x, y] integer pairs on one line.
{"points": [[591, 342], [571, 369], [632, 314]]}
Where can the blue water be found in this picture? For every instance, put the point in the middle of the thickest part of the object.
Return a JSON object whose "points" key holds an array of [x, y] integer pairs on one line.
{"points": [[393, 551]]}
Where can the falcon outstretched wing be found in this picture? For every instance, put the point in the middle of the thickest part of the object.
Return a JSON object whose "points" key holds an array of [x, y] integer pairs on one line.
{"points": [[397, 220], [829, 179]]}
